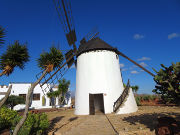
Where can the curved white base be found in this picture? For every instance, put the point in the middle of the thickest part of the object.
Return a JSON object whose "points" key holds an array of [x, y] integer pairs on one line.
{"points": [[129, 106]]}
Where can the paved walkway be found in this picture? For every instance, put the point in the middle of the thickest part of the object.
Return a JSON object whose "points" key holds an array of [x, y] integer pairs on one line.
{"points": [[93, 125]]}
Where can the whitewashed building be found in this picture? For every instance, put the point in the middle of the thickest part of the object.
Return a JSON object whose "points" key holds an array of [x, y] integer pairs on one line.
{"points": [[99, 81], [21, 89]]}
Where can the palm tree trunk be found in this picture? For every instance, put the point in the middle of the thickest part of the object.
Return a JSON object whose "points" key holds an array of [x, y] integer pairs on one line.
{"points": [[63, 100], [6, 96], [28, 100], [59, 99]]}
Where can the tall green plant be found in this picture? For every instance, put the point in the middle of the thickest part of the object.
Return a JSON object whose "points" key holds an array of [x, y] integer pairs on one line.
{"points": [[60, 93], [168, 83], [135, 88]]}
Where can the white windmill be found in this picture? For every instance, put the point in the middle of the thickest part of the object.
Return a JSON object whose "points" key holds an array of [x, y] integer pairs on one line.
{"points": [[99, 85]]}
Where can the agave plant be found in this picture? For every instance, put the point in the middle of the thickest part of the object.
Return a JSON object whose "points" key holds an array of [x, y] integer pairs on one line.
{"points": [[16, 55], [51, 60]]}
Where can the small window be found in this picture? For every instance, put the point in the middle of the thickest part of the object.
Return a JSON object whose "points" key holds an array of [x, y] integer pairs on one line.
{"points": [[36, 96], [117, 56], [43, 101], [23, 95]]}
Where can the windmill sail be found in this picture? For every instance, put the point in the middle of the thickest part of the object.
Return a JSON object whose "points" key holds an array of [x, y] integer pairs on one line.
{"points": [[67, 56], [63, 8]]}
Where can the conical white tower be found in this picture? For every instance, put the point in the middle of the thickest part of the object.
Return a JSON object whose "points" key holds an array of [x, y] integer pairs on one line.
{"points": [[99, 81]]}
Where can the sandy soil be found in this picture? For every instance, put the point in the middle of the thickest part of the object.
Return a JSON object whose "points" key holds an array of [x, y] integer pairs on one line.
{"points": [[142, 122]]}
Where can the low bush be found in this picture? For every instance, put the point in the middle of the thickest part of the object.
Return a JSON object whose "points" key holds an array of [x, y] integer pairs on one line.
{"points": [[35, 124], [138, 100], [7, 117]]}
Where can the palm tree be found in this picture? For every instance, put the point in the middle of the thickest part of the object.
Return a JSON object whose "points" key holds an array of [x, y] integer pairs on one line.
{"points": [[16, 55], [2, 34], [61, 92], [53, 94], [135, 88], [62, 88], [48, 62]]}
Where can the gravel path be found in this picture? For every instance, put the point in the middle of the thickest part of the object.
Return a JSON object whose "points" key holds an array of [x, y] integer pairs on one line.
{"points": [[92, 126], [142, 122]]}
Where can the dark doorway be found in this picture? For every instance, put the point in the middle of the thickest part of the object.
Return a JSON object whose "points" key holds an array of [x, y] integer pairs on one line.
{"points": [[96, 104]]}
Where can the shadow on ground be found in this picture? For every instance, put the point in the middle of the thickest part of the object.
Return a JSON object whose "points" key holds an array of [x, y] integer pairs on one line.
{"points": [[149, 119], [54, 121], [70, 120]]}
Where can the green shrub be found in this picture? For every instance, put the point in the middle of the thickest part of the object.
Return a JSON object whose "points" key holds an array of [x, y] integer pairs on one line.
{"points": [[152, 97], [138, 100], [14, 100], [146, 97], [35, 124], [7, 117], [167, 83]]}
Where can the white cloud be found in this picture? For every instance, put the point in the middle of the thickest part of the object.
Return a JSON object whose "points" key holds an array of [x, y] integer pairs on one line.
{"points": [[121, 65], [144, 58], [134, 72], [124, 69], [173, 35], [138, 36], [143, 64]]}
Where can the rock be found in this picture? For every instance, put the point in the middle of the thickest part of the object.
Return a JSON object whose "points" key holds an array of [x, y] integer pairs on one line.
{"points": [[126, 129], [167, 126], [140, 128]]}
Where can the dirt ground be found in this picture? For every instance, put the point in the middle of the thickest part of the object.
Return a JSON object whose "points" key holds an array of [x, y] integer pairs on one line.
{"points": [[142, 122]]}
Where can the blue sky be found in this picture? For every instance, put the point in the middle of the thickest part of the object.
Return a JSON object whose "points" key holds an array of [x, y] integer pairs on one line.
{"points": [[148, 31]]}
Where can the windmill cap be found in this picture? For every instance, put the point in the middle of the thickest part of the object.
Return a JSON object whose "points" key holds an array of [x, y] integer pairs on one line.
{"points": [[93, 45]]}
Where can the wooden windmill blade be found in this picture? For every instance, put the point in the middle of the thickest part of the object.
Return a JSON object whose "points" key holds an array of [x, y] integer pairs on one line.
{"points": [[63, 8], [67, 56], [123, 55]]}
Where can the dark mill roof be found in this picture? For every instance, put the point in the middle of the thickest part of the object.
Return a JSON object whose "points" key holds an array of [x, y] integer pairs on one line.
{"points": [[94, 44]]}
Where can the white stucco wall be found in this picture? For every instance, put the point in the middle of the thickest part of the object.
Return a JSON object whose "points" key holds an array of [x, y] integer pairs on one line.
{"points": [[129, 106], [22, 88], [97, 72]]}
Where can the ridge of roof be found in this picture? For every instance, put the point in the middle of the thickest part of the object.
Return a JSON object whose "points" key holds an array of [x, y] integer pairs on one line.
{"points": [[94, 44]]}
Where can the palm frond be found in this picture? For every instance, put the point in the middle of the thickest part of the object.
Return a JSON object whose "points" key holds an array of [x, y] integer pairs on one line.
{"points": [[16, 55], [2, 35], [54, 57]]}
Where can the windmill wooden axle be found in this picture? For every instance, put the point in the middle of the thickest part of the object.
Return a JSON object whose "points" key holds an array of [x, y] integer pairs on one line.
{"points": [[120, 53]]}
